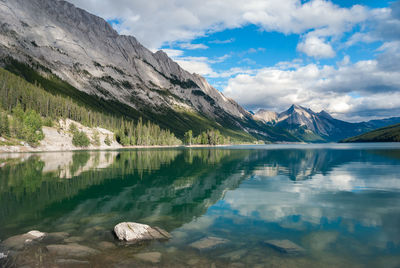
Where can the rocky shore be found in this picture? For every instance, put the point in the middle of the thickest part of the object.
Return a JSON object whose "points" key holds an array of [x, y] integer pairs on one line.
{"points": [[134, 244]]}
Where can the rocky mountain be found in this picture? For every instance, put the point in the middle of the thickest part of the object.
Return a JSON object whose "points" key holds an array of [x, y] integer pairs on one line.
{"points": [[266, 116], [310, 126], [74, 53]]}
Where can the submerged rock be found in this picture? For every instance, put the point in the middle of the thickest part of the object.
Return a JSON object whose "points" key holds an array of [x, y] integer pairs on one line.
{"points": [[106, 245], [69, 262], [74, 239], [131, 231], [18, 242], [208, 243], [234, 255], [71, 250], [285, 246], [153, 257], [192, 262], [56, 237]]}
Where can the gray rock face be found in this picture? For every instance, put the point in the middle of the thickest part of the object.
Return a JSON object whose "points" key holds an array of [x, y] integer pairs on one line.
{"points": [[208, 243], [134, 232], [266, 116], [84, 50], [297, 115], [71, 250], [18, 242], [285, 246]]}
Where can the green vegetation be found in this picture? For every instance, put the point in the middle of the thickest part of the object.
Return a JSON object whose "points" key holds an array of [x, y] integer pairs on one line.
{"points": [[209, 137], [22, 125], [189, 137], [385, 134], [107, 141], [4, 125], [96, 139], [144, 134], [80, 139]]}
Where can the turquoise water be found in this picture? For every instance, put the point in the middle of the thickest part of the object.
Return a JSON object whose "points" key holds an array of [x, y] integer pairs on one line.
{"points": [[340, 203]]}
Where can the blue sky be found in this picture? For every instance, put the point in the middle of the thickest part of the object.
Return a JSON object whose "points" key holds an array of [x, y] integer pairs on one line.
{"points": [[342, 56]]}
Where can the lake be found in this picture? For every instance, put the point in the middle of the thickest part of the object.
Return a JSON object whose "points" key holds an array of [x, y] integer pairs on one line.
{"points": [[339, 204]]}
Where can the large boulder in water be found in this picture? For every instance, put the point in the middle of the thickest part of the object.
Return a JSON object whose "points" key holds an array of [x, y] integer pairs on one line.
{"points": [[134, 232]]}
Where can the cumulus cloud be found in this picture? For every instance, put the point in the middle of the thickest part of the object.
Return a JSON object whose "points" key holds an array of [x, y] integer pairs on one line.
{"points": [[351, 91], [198, 65], [316, 47], [158, 22]]}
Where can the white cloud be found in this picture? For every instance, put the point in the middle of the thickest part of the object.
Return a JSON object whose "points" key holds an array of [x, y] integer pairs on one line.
{"points": [[351, 91], [192, 46], [173, 53], [158, 22], [198, 65], [316, 47]]}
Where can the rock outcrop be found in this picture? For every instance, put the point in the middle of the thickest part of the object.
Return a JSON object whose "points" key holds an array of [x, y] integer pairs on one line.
{"points": [[135, 232]]}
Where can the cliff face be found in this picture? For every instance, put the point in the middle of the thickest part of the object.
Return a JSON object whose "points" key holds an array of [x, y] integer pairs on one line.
{"points": [[85, 51]]}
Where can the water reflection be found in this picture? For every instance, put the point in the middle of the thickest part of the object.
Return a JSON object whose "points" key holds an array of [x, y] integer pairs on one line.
{"points": [[342, 202]]}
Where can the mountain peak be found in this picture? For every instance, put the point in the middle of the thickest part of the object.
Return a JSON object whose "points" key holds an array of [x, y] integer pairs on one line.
{"points": [[295, 106], [325, 114]]}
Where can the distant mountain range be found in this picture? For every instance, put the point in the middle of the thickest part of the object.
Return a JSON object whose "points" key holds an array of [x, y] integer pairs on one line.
{"points": [[385, 134], [310, 126]]}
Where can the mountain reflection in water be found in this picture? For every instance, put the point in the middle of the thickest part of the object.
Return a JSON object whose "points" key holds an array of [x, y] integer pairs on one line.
{"points": [[342, 202]]}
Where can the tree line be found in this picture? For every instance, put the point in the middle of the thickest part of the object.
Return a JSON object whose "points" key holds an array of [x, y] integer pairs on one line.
{"points": [[31, 107], [208, 137]]}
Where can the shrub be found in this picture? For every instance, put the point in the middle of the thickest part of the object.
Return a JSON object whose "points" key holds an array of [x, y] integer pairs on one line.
{"points": [[48, 122], [32, 127], [96, 138], [80, 139], [107, 141], [73, 128], [4, 125]]}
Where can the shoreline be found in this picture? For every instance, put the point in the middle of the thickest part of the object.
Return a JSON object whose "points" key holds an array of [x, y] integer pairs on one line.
{"points": [[28, 149]]}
